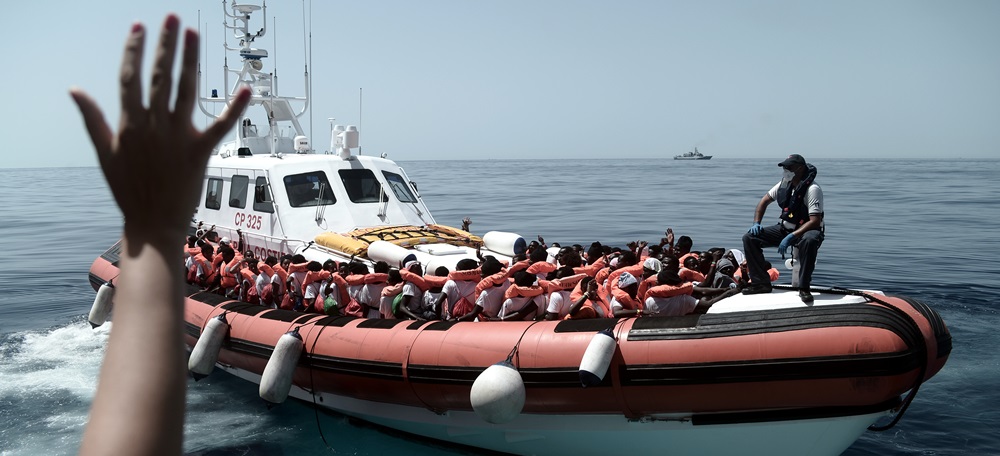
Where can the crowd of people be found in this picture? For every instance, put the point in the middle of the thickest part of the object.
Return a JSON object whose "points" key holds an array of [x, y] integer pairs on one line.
{"points": [[572, 282]]}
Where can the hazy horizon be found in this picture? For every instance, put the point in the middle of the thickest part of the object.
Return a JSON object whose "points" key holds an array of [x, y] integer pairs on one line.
{"points": [[451, 80]]}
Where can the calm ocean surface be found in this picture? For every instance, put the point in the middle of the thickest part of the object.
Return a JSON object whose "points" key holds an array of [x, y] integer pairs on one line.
{"points": [[917, 228]]}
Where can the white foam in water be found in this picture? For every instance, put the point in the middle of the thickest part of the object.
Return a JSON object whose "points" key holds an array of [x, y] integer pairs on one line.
{"points": [[51, 377]]}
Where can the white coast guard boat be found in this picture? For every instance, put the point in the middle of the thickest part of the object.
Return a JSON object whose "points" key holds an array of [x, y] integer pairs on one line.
{"points": [[761, 374]]}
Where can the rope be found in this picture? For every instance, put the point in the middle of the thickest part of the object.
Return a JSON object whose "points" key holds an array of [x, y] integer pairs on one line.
{"points": [[312, 391], [510, 357]]}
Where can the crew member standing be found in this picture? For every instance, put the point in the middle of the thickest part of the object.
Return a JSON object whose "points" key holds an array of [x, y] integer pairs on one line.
{"points": [[800, 225]]}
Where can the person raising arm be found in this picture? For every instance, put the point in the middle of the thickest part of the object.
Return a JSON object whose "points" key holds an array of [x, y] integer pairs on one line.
{"points": [[139, 404]]}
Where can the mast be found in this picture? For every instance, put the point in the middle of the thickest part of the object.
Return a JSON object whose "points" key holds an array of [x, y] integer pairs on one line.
{"points": [[263, 84]]}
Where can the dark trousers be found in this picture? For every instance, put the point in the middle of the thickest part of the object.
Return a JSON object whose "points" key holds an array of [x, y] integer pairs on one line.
{"points": [[804, 252]]}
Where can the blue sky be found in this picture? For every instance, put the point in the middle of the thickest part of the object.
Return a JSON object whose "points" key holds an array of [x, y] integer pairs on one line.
{"points": [[561, 79]]}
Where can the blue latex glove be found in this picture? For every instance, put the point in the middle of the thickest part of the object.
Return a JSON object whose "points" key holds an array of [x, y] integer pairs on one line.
{"points": [[785, 243], [755, 229]]}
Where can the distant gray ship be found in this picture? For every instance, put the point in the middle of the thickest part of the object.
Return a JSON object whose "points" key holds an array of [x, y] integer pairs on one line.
{"points": [[692, 156]]}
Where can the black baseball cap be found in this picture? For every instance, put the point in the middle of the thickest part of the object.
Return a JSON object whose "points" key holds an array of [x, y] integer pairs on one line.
{"points": [[793, 160]]}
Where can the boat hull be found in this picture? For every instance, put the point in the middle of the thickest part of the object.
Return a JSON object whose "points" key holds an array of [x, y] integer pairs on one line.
{"points": [[805, 380]]}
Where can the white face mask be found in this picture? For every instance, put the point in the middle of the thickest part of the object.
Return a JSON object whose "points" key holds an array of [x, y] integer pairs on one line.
{"points": [[788, 175]]}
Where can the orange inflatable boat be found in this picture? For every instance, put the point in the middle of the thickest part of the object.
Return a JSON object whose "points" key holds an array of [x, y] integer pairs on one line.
{"points": [[762, 370]]}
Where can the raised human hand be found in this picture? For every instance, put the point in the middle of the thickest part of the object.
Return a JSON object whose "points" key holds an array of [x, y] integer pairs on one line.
{"points": [[155, 162]]}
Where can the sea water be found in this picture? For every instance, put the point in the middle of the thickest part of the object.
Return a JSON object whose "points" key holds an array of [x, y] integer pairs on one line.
{"points": [[923, 229]]}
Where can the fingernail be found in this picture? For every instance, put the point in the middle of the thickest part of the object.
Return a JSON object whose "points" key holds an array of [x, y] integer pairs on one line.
{"points": [[171, 23], [136, 27]]}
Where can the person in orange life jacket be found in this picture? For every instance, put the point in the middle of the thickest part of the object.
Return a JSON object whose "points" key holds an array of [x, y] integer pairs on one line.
{"points": [[312, 285], [690, 272], [228, 270], [280, 278], [355, 281], [522, 307], [297, 270], [393, 281], [558, 304], [371, 293], [247, 275], [411, 308], [458, 296], [681, 303], [629, 263], [491, 298], [191, 248], [800, 225], [702, 292], [432, 299], [591, 261], [265, 287], [587, 304], [201, 271], [650, 267], [624, 301], [568, 257]]}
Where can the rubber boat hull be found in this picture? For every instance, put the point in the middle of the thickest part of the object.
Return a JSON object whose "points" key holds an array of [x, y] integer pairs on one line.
{"points": [[783, 379]]}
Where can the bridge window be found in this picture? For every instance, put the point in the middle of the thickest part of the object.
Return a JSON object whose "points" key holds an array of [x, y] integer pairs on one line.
{"points": [[309, 189], [361, 185], [262, 196], [213, 197], [238, 191], [399, 187]]}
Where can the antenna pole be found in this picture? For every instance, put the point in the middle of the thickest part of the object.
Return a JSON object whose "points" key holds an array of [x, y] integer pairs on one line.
{"points": [[308, 60], [361, 102]]}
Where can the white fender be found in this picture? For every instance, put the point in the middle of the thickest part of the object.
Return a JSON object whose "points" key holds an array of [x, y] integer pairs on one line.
{"points": [[504, 243], [388, 252], [498, 393], [276, 381], [206, 350], [597, 358], [102, 305]]}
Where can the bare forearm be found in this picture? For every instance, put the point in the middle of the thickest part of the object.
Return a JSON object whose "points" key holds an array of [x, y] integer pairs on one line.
{"points": [[141, 392], [814, 222], [758, 213]]}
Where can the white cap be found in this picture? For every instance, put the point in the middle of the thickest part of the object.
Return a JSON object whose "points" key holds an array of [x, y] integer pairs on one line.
{"points": [[652, 264], [738, 254], [626, 279]]}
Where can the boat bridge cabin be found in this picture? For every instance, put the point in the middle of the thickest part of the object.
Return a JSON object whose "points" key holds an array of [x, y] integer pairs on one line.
{"points": [[282, 202]]}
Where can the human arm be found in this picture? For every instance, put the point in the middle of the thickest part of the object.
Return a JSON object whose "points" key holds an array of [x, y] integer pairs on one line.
{"points": [[528, 309], [591, 293], [758, 213], [139, 404], [815, 222], [706, 302]]}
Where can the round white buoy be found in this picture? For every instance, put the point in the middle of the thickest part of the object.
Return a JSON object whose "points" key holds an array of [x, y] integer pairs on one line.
{"points": [[597, 358], [790, 263], [102, 305], [276, 381], [206, 350], [498, 393]]}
